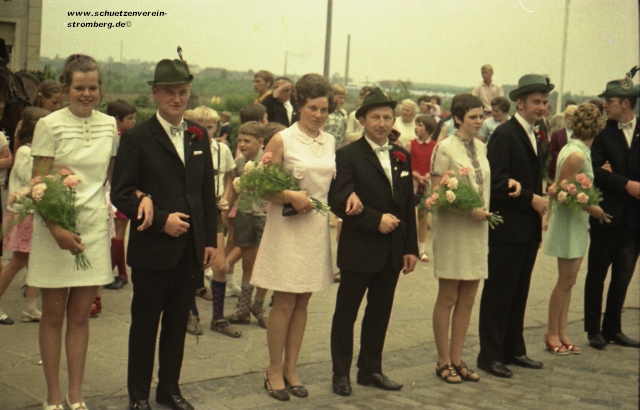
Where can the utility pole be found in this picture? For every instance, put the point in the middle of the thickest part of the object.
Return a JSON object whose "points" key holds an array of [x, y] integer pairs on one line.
{"points": [[559, 108], [327, 44], [346, 70]]}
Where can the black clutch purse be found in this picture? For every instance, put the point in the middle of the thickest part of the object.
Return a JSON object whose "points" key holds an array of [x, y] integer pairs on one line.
{"points": [[289, 210]]}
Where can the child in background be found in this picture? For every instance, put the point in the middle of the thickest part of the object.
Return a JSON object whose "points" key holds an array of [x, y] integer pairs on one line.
{"points": [[224, 134], [421, 149], [224, 166], [248, 227], [17, 236]]}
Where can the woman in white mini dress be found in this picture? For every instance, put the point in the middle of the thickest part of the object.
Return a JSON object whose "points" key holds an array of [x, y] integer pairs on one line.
{"points": [[85, 141]]}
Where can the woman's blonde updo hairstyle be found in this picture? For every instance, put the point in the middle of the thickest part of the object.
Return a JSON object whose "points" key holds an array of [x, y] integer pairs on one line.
{"points": [[587, 122]]}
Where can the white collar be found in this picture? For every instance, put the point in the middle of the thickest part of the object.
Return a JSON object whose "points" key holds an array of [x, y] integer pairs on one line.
{"points": [[373, 144], [525, 124], [166, 124], [419, 141]]}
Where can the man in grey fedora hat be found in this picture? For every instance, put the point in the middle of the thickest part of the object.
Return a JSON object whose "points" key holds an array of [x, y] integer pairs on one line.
{"points": [[165, 164], [617, 244], [514, 151]]}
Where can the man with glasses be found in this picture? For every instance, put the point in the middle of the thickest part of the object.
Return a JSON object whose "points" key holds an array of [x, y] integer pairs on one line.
{"points": [[617, 244]]}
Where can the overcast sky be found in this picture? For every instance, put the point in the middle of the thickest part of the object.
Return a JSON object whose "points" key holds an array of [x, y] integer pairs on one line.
{"points": [[431, 41]]}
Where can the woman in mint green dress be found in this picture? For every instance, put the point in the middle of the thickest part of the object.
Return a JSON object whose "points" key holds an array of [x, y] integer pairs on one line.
{"points": [[566, 237]]}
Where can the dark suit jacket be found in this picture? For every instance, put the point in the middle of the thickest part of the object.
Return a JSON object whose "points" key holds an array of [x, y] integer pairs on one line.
{"points": [[147, 160], [558, 140], [611, 145], [511, 155], [276, 112], [362, 248]]}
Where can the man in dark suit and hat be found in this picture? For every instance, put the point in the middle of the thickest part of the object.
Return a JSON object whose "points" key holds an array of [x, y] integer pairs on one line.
{"points": [[166, 161], [617, 244], [513, 151], [375, 244]]}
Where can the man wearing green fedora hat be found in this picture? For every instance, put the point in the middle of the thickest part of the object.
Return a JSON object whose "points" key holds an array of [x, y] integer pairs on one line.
{"points": [[375, 244], [617, 244], [164, 165], [514, 151]]}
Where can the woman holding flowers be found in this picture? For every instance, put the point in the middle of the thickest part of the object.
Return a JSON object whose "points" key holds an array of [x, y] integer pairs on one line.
{"points": [[567, 235], [295, 257], [460, 242], [81, 141]]}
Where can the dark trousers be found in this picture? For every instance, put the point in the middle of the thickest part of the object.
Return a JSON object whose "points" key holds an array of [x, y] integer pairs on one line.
{"points": [[504, 299], [616, 247], [167, 293], [380, 288]]}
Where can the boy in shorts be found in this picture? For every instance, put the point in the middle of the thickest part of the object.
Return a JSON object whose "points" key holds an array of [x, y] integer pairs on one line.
{"points": [[248, 226]]}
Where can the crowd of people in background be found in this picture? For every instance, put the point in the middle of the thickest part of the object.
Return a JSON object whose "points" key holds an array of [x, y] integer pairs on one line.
{"points": [[170, 181]]}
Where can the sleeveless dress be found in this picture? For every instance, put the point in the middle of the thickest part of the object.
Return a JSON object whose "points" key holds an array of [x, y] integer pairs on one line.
{"points": [[567, 233], [295, 251], [85, 146], [461, 244]]}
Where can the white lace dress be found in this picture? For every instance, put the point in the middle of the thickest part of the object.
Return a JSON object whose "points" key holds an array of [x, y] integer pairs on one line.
{"points": [[295, 251]]}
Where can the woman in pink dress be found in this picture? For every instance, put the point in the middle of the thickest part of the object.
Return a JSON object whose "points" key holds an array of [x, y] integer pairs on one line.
{"points": [[295, 256]]}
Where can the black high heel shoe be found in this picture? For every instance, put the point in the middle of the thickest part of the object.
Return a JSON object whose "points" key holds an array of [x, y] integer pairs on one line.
{"points": [[282, 395], [298, 391]]}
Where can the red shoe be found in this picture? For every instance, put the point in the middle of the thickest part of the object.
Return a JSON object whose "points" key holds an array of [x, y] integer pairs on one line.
{"points": [[555, 349], [572, 349], [94, 310], [98, 303]]}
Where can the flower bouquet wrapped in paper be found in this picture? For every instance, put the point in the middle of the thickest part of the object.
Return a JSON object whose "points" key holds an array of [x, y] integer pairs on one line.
{"points": [[53, 198], [577, 194], [455, 193], [266, 179]]}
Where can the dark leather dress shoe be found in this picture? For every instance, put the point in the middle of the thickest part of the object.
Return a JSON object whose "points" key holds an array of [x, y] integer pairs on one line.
{"points": [[139, 404], [524, 361], [596, 340], [496, 368], [115, 285], [620, 339], [341, 385], [176, 402], [379, 380]]}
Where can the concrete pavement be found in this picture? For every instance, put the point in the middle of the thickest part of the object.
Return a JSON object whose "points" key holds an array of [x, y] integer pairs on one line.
{"points": [[224, 373]]}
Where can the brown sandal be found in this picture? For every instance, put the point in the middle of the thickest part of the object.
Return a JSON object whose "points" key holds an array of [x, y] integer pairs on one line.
{"points": [[227, 330], [468, 375], [451, 373]]}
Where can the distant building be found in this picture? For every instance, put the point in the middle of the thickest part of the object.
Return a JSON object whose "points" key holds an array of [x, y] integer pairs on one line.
{"points": [[20, 27]]}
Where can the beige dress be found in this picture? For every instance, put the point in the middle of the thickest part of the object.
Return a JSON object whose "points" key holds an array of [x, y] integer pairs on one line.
{"points": [[84, 145], [295, 251], [460, 244]]}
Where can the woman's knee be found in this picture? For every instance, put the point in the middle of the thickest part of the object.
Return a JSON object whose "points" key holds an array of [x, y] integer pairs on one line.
{"points": [[302, 302], [77, 317], [285, 301]]}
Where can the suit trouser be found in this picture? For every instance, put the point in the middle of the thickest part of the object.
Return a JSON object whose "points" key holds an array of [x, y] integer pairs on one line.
{"points": [[504, 299], [618, 247], [167, 293], [380, 288]]}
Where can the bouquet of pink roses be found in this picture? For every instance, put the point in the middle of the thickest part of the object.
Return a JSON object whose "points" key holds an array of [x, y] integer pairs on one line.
{"points": [[577, 194], [267, 178], [53, 198], [455, 192]]}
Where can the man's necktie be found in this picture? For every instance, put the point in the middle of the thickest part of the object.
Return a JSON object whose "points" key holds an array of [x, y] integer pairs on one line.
{"points": [[378, 150], [622, 126], [179, 128]]}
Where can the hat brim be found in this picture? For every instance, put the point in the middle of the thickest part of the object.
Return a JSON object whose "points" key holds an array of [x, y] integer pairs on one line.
{"points": [[611, 93], [154, 82], [514, 94], [362, 111]]}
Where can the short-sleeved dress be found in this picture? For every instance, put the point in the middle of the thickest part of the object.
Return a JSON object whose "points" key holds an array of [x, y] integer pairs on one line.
{"points": [[461, 244], [295, 251], [17, 234], [567, 234], [84, 145]]}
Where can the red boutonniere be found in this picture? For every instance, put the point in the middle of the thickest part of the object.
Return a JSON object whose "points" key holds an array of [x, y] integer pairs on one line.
{"points": [[399, 156], [540, 135], [196, 133]]}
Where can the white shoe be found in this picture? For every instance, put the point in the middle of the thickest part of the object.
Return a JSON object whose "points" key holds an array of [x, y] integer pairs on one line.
{"points": [[75, 406], [31, 317], [232, 288], [46, 406]]}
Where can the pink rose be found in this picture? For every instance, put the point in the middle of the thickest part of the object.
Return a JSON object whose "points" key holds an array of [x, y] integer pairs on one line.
{"points": [[445, 180], [38, 191], [562, 197], [49, 177], [267, 157], [571, 188], [35, 181], [581, 177], [435, 196], [552, 189], [582, 198], [563, 184], [64, 171], [464, 171], [450, 173], [25, 191], [71, 181], [586, 183]]}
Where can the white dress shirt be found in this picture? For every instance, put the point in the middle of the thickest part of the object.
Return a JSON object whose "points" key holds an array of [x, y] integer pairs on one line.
{"points": [[176, 138], [529, 130], [628, 131], [383, 157]]}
